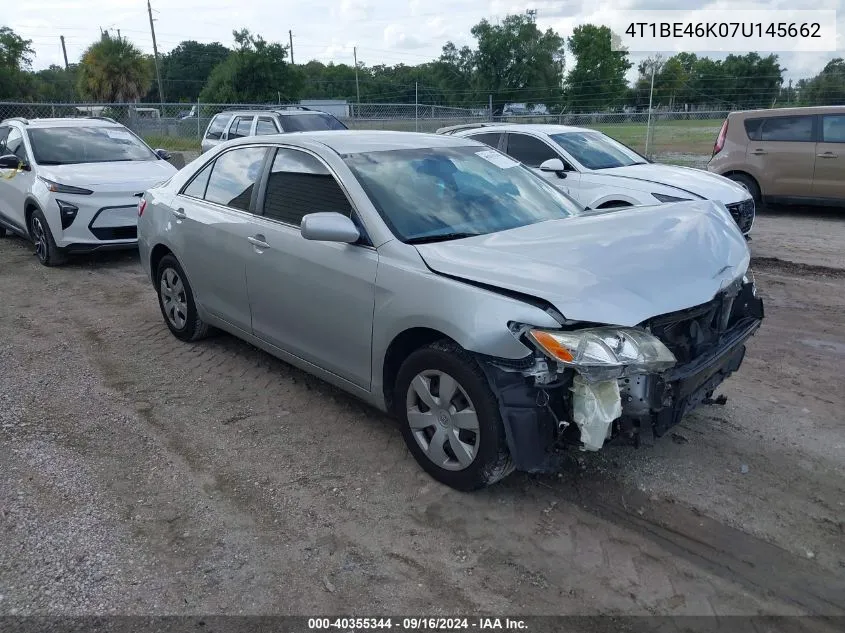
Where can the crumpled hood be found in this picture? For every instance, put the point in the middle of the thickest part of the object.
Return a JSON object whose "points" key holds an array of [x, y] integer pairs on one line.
{"points": [[617, 267], [115, 176], [695, 181]]}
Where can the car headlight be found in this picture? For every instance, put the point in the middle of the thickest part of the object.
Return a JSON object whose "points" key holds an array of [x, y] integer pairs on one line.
{"points": [[664, 198], [56, 187], [605, 353]]}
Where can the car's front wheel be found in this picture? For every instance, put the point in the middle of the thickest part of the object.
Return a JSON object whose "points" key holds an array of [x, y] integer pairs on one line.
{"points": [[45, 246], [450, 418], [176, 300]]}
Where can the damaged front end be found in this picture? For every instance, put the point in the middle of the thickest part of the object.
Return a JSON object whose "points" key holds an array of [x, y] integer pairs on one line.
{"points": [[586, 385]]}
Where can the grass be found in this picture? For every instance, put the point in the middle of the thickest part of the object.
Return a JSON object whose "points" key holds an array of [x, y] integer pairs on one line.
{"points": [[173, 143]]}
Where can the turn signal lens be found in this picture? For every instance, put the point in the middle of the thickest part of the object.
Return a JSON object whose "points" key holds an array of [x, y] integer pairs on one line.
{"points": [[551, 345]]}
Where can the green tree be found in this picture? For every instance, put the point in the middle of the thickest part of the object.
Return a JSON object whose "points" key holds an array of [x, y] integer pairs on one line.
{"points": [[113, 70], [826, 88], [515, 61], [15, 59], [598, 78], [186, 69], [56, 84], [256, 71]]}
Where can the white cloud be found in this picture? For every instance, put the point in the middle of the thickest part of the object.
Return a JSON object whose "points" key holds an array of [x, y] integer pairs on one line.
{"points": [[396, 37]]}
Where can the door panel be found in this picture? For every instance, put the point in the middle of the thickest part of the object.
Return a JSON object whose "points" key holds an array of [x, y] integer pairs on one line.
{"points": [[785, 156], [215, 230], [14, 183], [829, 175], [311, 299]]}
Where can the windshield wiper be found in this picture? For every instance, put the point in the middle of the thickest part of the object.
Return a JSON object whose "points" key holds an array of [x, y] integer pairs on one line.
{"points": [[440, 237]]}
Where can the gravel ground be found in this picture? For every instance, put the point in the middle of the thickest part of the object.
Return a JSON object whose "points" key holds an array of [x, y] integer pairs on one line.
{"points": [[144, 475]]}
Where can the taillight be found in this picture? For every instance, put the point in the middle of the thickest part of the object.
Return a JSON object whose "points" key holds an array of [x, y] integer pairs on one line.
{"points": [[141, 206], [720, 140]]}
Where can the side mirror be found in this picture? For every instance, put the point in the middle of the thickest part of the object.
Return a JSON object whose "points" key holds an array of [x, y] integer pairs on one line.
{"points": [[554, 165], [329, 227], [163, 154], [11, 161]]}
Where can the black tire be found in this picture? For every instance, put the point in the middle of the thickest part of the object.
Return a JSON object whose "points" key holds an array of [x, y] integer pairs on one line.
{"points": [[749, 184], [491, 461], [190, 327], [45, 246]]}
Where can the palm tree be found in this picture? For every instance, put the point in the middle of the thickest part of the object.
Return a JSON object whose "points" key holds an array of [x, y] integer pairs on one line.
{"points": [[114, 70]]}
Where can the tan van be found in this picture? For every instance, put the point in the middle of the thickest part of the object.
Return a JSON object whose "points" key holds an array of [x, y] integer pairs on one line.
{"points": [[785, 155]]}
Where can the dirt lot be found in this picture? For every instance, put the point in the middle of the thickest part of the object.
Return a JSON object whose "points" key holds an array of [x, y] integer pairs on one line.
{"points": [[145, 475]]}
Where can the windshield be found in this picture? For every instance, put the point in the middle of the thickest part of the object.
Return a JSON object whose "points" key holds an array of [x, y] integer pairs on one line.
{"points": [[594, 150], [316, 122], [86, 144], [452, 192]]}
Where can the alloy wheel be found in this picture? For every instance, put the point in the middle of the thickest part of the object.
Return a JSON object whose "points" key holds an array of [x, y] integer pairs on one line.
{"points": [[39, 236]]}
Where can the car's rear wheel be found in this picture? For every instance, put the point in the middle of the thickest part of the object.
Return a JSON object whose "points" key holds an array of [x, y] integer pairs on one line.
{"points": [[450, 418], [45, 246], [747, 183], [176, 300]]}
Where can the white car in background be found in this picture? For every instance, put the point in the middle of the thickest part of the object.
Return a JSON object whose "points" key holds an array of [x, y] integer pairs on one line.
{"points": [[602, 173], [73, 185]]}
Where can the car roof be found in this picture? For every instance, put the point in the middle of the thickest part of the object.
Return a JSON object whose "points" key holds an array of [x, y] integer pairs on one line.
{"points": [[787, 111], [535, 128], [358, 141], [280, 112], [64, 122]]}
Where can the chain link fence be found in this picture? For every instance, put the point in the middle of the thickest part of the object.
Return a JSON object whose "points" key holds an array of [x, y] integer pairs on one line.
{"points": [[678, 137]]}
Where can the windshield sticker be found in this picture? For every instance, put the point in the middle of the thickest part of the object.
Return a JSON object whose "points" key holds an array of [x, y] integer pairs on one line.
{"points": [[499, 160], [122, 135]]}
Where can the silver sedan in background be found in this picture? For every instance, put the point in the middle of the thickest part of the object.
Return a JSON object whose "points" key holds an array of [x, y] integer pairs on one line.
{"points": [[440, 280]]}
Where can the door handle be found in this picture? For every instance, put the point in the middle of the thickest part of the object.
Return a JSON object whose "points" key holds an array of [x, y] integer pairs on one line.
{"points": [[179, 214], [258, 241], [827, 155], [759, 152]]}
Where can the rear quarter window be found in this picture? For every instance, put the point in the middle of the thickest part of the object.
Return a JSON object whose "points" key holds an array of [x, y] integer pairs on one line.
{"points": [[752, 128]]}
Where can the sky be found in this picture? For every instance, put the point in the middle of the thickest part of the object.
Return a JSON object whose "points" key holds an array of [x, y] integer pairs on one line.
{"points": [[384, 31]]}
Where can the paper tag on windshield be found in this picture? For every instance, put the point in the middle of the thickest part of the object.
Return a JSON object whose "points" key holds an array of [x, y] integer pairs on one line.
{"points": [[121, 135], [499, 160]]}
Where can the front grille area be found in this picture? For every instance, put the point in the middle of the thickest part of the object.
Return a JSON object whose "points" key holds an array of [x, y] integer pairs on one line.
{"points": [[692, 333], [743, 214], [115, 232]]}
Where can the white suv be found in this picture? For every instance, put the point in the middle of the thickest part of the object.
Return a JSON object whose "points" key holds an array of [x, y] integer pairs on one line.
{"points": [[72, 185]]}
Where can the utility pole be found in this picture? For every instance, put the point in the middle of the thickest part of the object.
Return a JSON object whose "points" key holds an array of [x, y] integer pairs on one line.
{"points": [[155, 52], [290, 34], [789, 93], [64, 50], [532, 15], [416, 106], [650, 96], [357, 88], [118, 33]]}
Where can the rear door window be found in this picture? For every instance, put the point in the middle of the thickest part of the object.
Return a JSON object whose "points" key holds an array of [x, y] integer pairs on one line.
{"points": [[833, 128], [218, 126], [787, 128], [265, 125], [489, 138], [234, 177], [240, 127]]}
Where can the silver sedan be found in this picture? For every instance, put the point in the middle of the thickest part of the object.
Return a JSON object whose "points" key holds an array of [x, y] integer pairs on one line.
{"points": [[440, 280]]}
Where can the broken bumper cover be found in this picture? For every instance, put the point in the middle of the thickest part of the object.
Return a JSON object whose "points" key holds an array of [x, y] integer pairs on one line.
{"points": [[537, 409]]}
